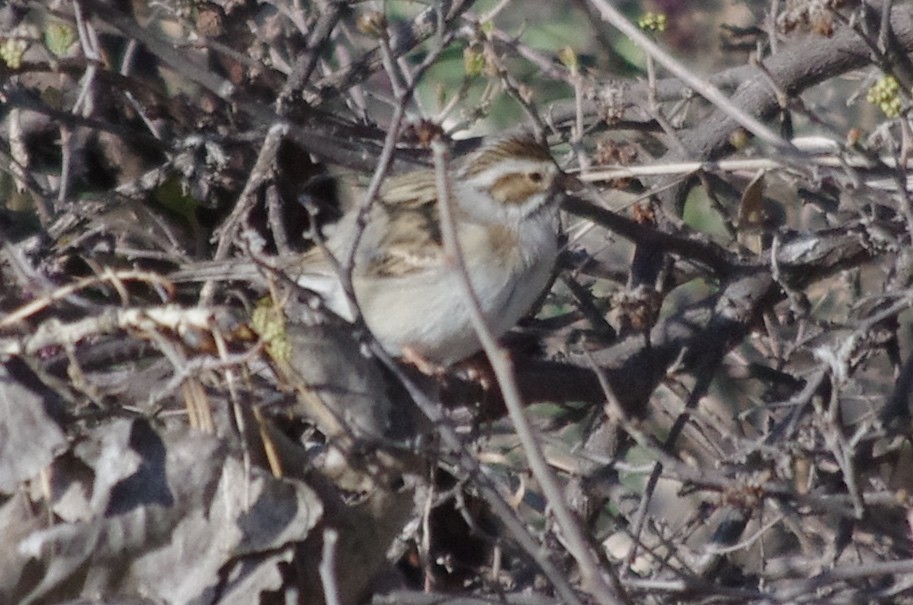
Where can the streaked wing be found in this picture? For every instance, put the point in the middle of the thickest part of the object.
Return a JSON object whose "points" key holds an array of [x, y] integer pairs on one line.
{"points": [[411, 189], [411, 241]]}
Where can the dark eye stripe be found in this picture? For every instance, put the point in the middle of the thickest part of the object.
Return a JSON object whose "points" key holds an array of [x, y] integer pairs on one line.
{"points": [[515, 188]]}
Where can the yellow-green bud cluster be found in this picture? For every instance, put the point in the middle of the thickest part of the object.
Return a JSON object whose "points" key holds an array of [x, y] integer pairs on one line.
{"points": [[269, 322], [652, 22], [11, 51], [885, 93]]}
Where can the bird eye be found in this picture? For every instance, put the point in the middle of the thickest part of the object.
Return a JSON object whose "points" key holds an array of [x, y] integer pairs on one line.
{"points": [[535, 177]]}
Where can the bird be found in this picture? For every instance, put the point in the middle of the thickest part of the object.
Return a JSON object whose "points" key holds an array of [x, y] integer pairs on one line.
{"points": [[505, 198]]}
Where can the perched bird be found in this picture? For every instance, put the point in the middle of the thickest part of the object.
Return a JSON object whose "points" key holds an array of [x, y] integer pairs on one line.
{"points": [[505, 199]]}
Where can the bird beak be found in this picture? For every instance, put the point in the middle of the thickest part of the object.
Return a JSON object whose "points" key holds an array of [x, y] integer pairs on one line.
{"points": [[569, 182]]}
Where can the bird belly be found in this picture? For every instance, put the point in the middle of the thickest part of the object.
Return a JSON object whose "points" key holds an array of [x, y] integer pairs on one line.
{"points": [[435, 322]]}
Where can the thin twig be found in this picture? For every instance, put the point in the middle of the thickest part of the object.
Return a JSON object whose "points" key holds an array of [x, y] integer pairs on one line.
{"points": [[503, 369], [700, 85], [328, 567], [488, 488]]}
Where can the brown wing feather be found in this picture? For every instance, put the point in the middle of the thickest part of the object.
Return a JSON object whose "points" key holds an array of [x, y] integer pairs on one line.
{"points": [[410, 190], [412, 241]]}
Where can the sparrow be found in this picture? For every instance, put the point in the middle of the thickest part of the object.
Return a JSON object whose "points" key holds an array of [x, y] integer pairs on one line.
{"points": [[505, 198]]}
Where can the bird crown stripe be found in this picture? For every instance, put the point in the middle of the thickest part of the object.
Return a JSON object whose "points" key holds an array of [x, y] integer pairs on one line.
{"points": [[520, 147]]}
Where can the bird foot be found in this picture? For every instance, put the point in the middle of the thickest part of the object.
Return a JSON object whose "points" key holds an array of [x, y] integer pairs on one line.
{"points": [[422, 363]]}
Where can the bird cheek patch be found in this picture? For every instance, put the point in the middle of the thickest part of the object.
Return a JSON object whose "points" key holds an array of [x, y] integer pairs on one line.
{"points": [[514, 189]]}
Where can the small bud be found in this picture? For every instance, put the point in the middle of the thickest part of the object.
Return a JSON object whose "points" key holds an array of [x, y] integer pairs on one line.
{"points": [[427, 131], [569, 58], [739, 138], [59, 37], [440, 95], [854, 136], [372, 23], [526, 93], [473, 60]]}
